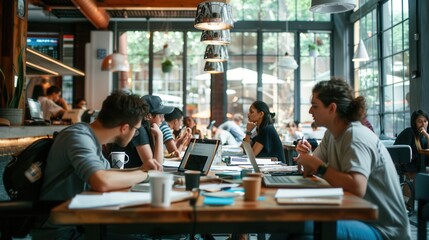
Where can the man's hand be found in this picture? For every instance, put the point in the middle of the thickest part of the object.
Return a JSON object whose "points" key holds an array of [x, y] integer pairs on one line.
{"points": [[152, 164]]}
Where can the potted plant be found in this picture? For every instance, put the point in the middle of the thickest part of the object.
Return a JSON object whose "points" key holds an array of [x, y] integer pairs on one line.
{"points": [[10, 97], [312, 50], [167, 65]]}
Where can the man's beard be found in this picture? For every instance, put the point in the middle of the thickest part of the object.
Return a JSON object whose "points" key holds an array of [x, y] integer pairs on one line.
{"points": [[121, 141]]}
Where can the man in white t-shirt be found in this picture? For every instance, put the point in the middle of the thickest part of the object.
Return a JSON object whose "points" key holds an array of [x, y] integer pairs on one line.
{"points": [[48, 105]]}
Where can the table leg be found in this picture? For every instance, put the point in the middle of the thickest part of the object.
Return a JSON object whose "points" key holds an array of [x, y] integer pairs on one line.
{"points": [[93, 231], [325, 230]]}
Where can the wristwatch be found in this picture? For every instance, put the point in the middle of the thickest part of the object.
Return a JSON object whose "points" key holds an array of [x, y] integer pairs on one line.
{"points": [[248, 133], [321, 170]]}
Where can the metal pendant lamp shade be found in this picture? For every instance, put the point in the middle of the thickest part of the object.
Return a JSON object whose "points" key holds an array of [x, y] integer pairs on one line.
{"points": [[216, 53], [213, 67], [216, 37], [288, 62], [213, 16], [332, 6], [361, 54], [115, 62]]}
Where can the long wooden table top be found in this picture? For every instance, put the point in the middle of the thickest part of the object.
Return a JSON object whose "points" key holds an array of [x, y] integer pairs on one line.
{"points": [[352, 208]]}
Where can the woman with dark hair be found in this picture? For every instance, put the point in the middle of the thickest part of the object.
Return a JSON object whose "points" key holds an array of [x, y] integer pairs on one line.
{"points": [[265, 139], [417, 137], [352, 157]]}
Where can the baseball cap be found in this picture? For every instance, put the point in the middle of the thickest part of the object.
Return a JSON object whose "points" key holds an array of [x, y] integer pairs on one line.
{"points": [[156, 106]]}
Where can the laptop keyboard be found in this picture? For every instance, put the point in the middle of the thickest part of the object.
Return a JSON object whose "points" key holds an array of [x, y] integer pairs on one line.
{"points": [[277, 179]]}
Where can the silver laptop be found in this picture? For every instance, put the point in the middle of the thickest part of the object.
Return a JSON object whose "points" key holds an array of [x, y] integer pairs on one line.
{"points": [[285, 181], [199, 155]]}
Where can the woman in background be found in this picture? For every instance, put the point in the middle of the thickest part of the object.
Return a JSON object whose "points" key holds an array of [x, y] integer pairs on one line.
{"points": [[417, 137], [261, 133]]}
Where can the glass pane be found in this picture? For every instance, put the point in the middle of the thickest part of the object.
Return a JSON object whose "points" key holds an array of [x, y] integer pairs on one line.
{"points": [[387, 42], [397, 38], [387, 15], [397, 11], [138, 58]]}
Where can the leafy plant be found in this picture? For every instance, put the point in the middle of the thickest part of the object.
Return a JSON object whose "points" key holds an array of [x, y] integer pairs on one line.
{"points": [[11, 99], [167, 65], [312, 46]]}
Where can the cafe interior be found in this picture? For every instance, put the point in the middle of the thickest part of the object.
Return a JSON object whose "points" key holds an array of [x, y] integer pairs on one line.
{"points": [[213, 67]]}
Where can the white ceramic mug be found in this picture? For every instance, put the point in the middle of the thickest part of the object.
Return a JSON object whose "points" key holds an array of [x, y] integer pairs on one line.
{"points": [[119, 159]]}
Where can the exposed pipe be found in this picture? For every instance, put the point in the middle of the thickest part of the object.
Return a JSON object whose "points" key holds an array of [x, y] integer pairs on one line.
{"points": [[97, 16]]}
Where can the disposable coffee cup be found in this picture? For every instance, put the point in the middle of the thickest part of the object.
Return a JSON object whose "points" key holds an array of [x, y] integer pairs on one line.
{"points": [[119, 159], [252, 188], [255, 174], [161, 184], [192, 179]]}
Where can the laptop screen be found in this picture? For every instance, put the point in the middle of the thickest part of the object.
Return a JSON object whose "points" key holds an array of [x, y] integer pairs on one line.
{"points": [[35, 110], [199, 155]]}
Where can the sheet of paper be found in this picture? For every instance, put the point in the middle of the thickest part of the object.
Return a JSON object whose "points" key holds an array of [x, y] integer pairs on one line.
{"points": [[309, 192], [171, 164], [119, 199], [245, 160]]}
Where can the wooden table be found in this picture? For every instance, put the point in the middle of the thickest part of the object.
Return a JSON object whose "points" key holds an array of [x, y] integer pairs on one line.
{"points": [[242, 217]]}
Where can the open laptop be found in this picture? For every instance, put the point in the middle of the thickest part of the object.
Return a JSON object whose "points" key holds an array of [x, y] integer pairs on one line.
{"points": [[199, 155], [285, 181]]}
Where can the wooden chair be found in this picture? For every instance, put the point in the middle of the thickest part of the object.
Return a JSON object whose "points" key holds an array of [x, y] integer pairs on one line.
{"points": [[401, 156], [422, 196]]}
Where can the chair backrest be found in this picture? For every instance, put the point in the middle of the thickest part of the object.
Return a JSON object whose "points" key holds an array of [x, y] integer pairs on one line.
{"points": [[400, 154], [422, 186]]}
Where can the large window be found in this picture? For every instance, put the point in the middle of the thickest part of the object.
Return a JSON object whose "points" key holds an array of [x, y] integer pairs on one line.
{"points": [[386, 91]]}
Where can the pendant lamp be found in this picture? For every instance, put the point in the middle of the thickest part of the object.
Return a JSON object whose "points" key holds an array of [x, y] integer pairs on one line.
{"points": [[361, 54], [213, 16], [216, 53], [116, 61], [332, 6], [288, 62], [216, 37], [213, 67]]}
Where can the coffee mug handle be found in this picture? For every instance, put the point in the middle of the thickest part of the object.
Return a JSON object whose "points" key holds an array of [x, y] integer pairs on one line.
{"points": [[127, 158]]}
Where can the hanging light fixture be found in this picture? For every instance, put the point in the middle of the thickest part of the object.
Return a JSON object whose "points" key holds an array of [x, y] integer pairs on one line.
{"points": [[216, 53], [213, 16], [116, 61], [213, 67], [216, 37], [332, 6], [361, 54], [287, 61]]}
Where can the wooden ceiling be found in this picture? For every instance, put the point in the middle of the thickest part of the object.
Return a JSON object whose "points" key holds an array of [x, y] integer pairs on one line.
{"points": [[123, 8]]}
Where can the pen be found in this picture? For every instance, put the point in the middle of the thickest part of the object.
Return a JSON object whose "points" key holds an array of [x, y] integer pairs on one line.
{"points": [[225, 188]]}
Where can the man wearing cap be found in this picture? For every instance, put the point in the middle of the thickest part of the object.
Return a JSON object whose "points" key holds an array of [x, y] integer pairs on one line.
{"points": [[157, 110]]}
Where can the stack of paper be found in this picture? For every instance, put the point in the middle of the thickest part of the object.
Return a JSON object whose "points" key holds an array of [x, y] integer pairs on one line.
{"points": [[119, 199], [310, 196]]}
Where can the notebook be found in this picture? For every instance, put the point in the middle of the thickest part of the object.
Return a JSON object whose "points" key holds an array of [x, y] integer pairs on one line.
{"points": [[287, 181], [199, 155]]}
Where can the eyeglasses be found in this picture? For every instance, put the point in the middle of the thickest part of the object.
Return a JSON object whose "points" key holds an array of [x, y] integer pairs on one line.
{"points": [[137, 132]]}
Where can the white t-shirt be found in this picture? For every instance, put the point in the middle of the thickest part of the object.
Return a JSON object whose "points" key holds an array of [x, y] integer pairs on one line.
{"points": [[49, 107]]}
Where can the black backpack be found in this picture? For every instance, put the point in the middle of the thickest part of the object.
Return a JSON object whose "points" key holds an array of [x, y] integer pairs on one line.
{"points": [[22, 179], [23, 176]]}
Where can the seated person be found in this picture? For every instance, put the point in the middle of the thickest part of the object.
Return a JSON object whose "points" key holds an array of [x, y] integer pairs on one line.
{"points": [[49, 106], [261, 134], [292, 132], [318, 132], [79, 148], [225, 137], [417, 137], [234, 128], [192, 124], [80, 103], [174, 121]]}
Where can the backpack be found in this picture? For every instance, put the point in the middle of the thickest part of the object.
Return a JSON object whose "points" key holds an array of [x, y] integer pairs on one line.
{"points": [[23, 178]]}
